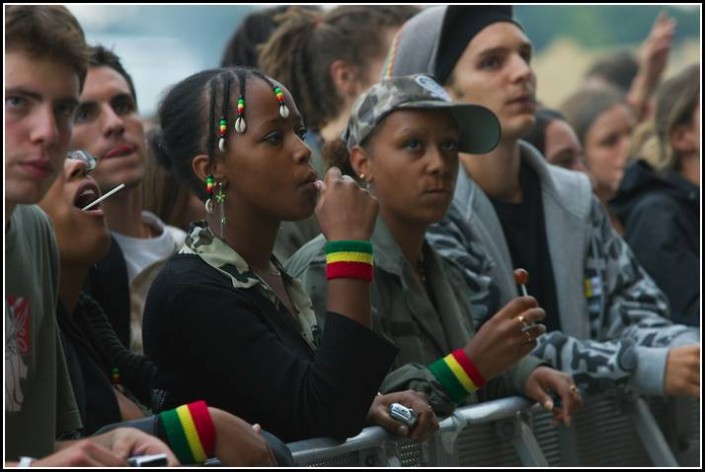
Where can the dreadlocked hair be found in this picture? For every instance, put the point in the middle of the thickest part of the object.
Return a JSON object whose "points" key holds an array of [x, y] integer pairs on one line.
{"points": [[190, 119], [254, 30], [301, 51]]}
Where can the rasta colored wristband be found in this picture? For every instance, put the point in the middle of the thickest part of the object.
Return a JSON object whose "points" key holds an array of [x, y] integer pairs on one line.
{"points": [[457, 374], [190, 431], [349, 259]]}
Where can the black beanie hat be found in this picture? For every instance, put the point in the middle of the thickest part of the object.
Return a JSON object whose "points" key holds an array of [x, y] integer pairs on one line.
{"points": [[460, 24]]}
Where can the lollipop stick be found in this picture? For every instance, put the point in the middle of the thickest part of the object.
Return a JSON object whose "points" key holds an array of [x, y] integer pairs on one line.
{"points": [[95, 202]]}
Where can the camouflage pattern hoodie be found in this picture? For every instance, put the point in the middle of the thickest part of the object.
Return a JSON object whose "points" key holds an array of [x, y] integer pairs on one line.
{"points": [[615, 320]]}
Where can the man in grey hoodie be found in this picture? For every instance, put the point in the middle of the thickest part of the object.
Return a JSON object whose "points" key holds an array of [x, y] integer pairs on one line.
{"points": [[608, 322]]}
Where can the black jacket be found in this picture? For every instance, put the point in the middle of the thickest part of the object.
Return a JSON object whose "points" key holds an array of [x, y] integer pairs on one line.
{"points": [[107, 284], [661, 216], [92, 350], [239, 352]]}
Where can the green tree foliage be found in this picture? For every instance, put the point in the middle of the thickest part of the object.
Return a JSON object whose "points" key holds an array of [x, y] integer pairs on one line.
{"points": [[603, 25]]}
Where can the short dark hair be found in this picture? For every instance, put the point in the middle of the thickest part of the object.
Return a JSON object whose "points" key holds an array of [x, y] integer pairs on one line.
{"points": [[617, 69], [103, 57], [47, 31], [582, 108]]}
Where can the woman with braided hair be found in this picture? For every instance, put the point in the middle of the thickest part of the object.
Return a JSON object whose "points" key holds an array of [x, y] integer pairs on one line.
{"points": [[224, 322]]}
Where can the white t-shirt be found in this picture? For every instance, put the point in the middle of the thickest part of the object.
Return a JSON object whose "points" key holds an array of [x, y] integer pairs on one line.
{"points": [[144, 259], [141, 253]]}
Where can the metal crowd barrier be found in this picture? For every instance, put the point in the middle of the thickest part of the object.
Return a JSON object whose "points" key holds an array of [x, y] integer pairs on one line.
{"points": [[679, 419], [613, 429], [475, 426]]}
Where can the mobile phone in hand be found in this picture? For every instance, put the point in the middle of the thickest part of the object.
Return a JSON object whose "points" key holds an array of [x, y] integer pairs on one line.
{"points": [[404, 414], [150, 460]]}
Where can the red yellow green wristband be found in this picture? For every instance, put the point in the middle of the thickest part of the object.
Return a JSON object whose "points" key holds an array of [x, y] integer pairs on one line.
{"points": [[457, 374], [349, 259], [190, 431]]}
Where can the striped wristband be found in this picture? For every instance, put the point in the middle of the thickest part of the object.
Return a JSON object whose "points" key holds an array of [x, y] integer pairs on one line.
{"points": [[457, 374], [190, 431], [349, 259]]}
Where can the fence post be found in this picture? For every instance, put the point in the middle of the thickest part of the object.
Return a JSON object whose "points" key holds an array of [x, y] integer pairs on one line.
{"points": [[518, 431], [651, 436]]}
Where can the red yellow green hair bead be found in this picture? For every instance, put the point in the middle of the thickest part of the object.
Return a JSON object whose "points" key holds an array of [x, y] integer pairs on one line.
{"points": [[283, 109], [223, 124], [223, 134], [240, 124], [209, 190]]}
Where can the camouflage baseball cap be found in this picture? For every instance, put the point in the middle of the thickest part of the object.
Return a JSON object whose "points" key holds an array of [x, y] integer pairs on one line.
{"points": [[479, 127]]}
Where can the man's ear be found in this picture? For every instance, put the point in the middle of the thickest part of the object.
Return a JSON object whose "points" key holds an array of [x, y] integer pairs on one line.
{"points": [[362, 164], [345, 78]]}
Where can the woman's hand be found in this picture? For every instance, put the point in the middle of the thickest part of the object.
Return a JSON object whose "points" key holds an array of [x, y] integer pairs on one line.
{"points": [[426, 424], [127, 442], [544, 380], [345, 210], [506, 337]]}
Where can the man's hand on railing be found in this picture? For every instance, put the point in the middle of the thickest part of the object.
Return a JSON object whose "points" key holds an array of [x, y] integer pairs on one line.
{"points": [[425, 427], [544, 380], [683, 371]]}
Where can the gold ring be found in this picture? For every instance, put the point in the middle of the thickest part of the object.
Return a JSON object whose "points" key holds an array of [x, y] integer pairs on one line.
{"points": [[529, 339], [521, 319], [574, 389]]}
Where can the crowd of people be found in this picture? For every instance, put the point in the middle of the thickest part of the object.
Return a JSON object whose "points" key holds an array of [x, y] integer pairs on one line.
{"points": [[330, 223]]}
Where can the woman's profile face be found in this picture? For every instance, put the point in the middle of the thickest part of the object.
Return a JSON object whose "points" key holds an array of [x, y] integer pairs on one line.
{"points": [[607, 148], [414, 164], [268, 167]]}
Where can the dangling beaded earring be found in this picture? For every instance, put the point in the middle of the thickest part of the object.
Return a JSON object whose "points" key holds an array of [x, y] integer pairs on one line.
{"points": [[220, 200], [209, 191], [240, 124], [283, 109]]}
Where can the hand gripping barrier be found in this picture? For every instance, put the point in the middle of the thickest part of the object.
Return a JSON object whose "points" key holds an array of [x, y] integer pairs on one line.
{"points": [[613, 429]]}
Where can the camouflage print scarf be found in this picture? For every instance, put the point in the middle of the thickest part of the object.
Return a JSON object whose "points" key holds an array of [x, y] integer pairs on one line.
{"points": [[225, 260]]}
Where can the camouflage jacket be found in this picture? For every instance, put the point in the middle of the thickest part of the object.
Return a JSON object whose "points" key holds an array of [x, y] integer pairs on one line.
{"points": [[404, 314], [615, 320]]}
